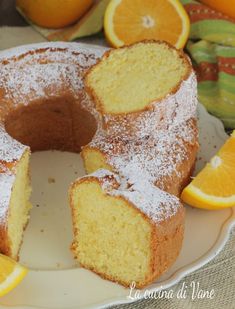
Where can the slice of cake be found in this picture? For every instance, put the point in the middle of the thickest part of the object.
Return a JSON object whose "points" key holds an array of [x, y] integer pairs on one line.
{"points": [[128, 80], [14, 217], [125, 233]]}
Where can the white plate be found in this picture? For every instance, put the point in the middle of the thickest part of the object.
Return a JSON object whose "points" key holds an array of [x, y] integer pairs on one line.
{"points": [[55, 282]]}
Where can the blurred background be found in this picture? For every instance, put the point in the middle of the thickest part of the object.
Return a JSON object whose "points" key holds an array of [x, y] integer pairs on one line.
{"points": [[205, 29]]}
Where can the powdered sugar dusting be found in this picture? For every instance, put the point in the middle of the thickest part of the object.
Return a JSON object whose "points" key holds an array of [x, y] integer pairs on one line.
{"points": [[153, 157], [107, 179], [46, 71], [72, 47], [10, 149], [153, 202], [143, 162]]}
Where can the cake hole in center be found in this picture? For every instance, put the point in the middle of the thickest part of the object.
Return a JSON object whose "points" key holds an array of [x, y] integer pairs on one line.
{"points": [[54, 124]]}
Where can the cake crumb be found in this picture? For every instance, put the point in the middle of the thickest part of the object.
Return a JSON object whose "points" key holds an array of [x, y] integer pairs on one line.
{"points": [[51, 180]]}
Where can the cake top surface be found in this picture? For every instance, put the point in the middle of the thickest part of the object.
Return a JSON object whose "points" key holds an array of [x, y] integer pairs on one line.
{"points": [[72, 47], [158, 205], [41, 70], [153, 157], [150, 200], [10, 150]]}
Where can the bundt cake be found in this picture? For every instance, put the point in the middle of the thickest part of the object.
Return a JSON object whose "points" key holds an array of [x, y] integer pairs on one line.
{"points": [[131, 112]]}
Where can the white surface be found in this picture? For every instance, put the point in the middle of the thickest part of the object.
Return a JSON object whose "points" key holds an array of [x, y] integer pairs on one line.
{"points": [[55, 282]]}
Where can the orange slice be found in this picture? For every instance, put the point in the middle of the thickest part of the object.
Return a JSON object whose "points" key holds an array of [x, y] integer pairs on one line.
{"points": [[214, 186], [11, 274], [130, 21]]}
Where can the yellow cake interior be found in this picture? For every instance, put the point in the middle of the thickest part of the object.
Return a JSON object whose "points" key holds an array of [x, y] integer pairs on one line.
{"points": [[94, 160], [129, 79], [112, 236], [19, 204]]}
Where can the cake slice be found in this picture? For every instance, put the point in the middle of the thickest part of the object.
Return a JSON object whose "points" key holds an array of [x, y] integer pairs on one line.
{"points": [[125, 233], [129, 79], [14, 207], [143, 87]]}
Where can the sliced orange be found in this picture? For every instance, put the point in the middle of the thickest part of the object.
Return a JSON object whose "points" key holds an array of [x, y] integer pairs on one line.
{"points": [[11, 274], [214, 186], [130, 21]]}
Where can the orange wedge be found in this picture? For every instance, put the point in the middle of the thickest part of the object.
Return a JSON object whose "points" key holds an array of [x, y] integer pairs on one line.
{"points": [[11, 274], [214, 186], [130, 21]]}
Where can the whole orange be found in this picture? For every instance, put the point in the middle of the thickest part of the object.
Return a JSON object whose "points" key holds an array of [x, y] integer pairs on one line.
{"points": [[226, 6], [54, 13]]}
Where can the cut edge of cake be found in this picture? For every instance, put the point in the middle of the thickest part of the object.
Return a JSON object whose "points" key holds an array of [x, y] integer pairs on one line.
{"points": [[122, 81], [17, 215]]}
